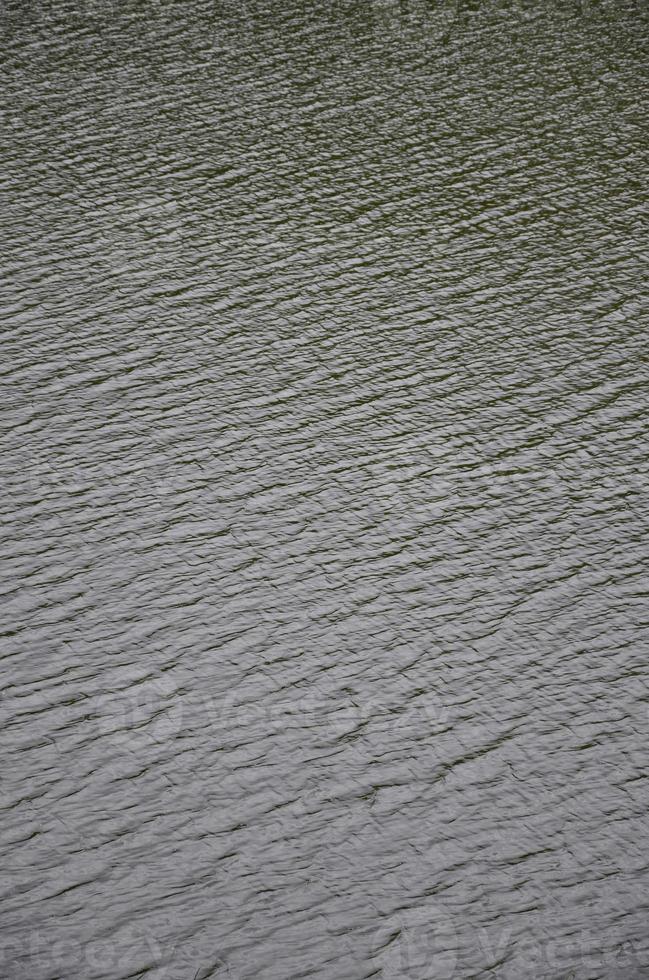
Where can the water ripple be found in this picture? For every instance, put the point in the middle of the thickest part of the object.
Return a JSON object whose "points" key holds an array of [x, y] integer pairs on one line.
{"points": [[324, 467]]}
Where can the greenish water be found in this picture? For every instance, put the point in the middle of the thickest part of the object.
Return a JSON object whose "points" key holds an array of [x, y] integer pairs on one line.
{"points": [[324, 460]]}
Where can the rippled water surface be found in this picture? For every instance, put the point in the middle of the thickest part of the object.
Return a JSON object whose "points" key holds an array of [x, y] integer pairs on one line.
{"points": [[324, 462]]}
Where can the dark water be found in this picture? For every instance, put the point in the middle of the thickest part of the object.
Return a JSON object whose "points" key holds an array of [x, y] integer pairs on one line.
{"points": [[324, 505]]}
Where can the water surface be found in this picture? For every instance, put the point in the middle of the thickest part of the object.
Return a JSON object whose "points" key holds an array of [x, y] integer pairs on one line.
{"points": [[324, 458]]}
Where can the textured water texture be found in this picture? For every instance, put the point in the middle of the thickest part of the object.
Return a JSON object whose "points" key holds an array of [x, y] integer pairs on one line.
{"points": [[324, 512]]}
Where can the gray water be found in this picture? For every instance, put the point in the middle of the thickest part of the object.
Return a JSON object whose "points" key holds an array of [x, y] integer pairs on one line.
{"points": [[324, 462]]}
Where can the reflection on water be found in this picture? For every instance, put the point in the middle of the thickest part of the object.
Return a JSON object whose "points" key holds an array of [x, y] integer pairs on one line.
{"points": [[324, 470]]}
